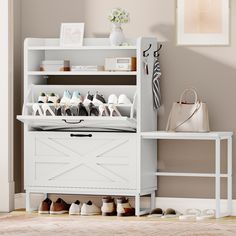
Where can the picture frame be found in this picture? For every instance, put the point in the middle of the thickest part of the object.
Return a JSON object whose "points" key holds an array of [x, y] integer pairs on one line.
{"points": [[72, 35], [203, 22]]}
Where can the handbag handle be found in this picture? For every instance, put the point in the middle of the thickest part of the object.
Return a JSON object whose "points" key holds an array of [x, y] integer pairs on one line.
{"points": [[189, 90]]}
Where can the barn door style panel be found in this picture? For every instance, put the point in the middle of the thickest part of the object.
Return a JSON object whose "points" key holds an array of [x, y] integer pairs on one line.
{"points": [[82, 160]]}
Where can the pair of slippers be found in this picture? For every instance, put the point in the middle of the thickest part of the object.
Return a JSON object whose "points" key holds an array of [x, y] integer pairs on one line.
{"points": [[189, 214], [196, 214], [168, 213]]}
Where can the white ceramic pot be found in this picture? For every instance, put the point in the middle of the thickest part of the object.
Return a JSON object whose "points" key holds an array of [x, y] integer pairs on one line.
{"points": [[117, 36]]}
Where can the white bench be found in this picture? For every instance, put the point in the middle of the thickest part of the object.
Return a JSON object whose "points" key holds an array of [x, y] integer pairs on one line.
{"points": [[216, 137]]}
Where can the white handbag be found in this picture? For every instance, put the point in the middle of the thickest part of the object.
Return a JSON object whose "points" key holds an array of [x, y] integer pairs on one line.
{"points": [[185, 117]]}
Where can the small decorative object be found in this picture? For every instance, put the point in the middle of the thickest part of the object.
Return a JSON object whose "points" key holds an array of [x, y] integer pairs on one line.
{"points": [[117, 17], [72, 35], [52, 65], [203, 22], [120, 64]]}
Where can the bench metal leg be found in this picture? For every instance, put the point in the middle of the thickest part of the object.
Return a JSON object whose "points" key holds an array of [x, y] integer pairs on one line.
{"points": [[217, 177], [229, 170]]}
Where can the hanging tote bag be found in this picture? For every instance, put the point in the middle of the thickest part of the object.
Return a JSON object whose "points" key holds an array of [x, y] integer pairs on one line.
{"points": [[186, 117]]}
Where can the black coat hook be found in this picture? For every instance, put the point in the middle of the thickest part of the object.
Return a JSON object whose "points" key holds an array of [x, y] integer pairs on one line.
{"points": [[156, 54], [145, 54]]}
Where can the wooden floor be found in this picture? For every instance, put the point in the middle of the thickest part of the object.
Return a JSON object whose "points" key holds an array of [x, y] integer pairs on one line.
{"points": [[20, 223], [142, 218]]}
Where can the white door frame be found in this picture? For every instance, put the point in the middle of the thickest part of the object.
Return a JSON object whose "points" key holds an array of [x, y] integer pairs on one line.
{"points": [[6, 118]]}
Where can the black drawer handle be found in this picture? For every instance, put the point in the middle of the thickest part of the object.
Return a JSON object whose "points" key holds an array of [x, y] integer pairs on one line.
{"points": [[81, 135], [72, 122]]}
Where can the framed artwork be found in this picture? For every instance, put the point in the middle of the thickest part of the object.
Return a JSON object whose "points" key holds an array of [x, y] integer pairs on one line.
{"points": [[203, 22], [72, 35]]}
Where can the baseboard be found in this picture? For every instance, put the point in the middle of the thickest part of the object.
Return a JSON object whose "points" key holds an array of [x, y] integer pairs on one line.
{"points": [[7, 196], [179, 204]]}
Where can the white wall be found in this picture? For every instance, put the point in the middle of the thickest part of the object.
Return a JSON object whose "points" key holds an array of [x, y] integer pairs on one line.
{"points": [[6, 69]]}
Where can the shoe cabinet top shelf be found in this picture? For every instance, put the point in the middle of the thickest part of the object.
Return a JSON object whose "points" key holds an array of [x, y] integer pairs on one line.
{"points": [[89, 44], [45, 73]]}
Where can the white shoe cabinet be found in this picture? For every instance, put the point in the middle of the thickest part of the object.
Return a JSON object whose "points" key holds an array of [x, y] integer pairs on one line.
{"points": [[81, 155]]}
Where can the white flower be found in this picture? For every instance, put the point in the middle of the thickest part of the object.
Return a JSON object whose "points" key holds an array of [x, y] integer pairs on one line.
{"points": [[118, 15]]}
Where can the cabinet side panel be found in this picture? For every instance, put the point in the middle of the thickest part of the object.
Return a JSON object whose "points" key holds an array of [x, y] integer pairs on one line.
{"points": [[147, 116]]}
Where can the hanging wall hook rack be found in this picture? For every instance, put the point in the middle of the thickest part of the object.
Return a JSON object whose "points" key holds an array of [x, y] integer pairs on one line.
{"points": [[145, 54], [156, 54]]}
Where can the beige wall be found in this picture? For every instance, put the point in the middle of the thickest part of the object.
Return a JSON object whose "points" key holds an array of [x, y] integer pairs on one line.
{"points": [[211, 70]]}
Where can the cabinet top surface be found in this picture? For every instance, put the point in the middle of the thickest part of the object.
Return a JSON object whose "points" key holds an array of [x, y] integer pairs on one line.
{"points": [[88, 43]]}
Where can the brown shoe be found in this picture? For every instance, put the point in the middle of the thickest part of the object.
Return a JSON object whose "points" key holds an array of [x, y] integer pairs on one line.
{"points": [[124, 208], [108, 206], [44, 207], [59, 207]]}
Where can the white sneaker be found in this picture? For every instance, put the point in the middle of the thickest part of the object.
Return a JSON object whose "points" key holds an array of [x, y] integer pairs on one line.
{"points": [[112, 99], [75, 208], [123, 99], [89, 209]]}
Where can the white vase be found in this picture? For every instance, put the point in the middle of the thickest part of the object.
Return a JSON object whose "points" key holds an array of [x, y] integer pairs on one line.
{"points": [[117, 36]]}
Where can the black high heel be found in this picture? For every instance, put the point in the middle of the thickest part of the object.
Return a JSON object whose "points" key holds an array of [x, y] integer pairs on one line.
{"points": [[82, 110], [93, 111], [68, 111], [58, 111]]}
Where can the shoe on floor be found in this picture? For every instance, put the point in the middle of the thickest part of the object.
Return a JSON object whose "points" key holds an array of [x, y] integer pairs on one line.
{"points": [[157, 212], [206, 214], [124, 208], [59, 207], [75, 208], [44, 207], [170, 213], [108, 206], [190, 214], [90, 209]]}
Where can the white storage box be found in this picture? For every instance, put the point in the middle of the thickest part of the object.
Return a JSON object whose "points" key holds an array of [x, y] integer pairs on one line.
{"points": [[50, 65]]}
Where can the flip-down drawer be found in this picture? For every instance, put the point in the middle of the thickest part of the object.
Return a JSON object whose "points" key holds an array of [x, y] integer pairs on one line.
{"points": [[80, 123]]}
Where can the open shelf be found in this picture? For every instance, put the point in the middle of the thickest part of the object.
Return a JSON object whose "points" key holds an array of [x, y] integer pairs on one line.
{"points": [[45, 73]]}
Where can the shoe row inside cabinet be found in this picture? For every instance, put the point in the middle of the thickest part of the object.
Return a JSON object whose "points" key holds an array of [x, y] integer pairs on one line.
{"points": [[75, 105]]}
